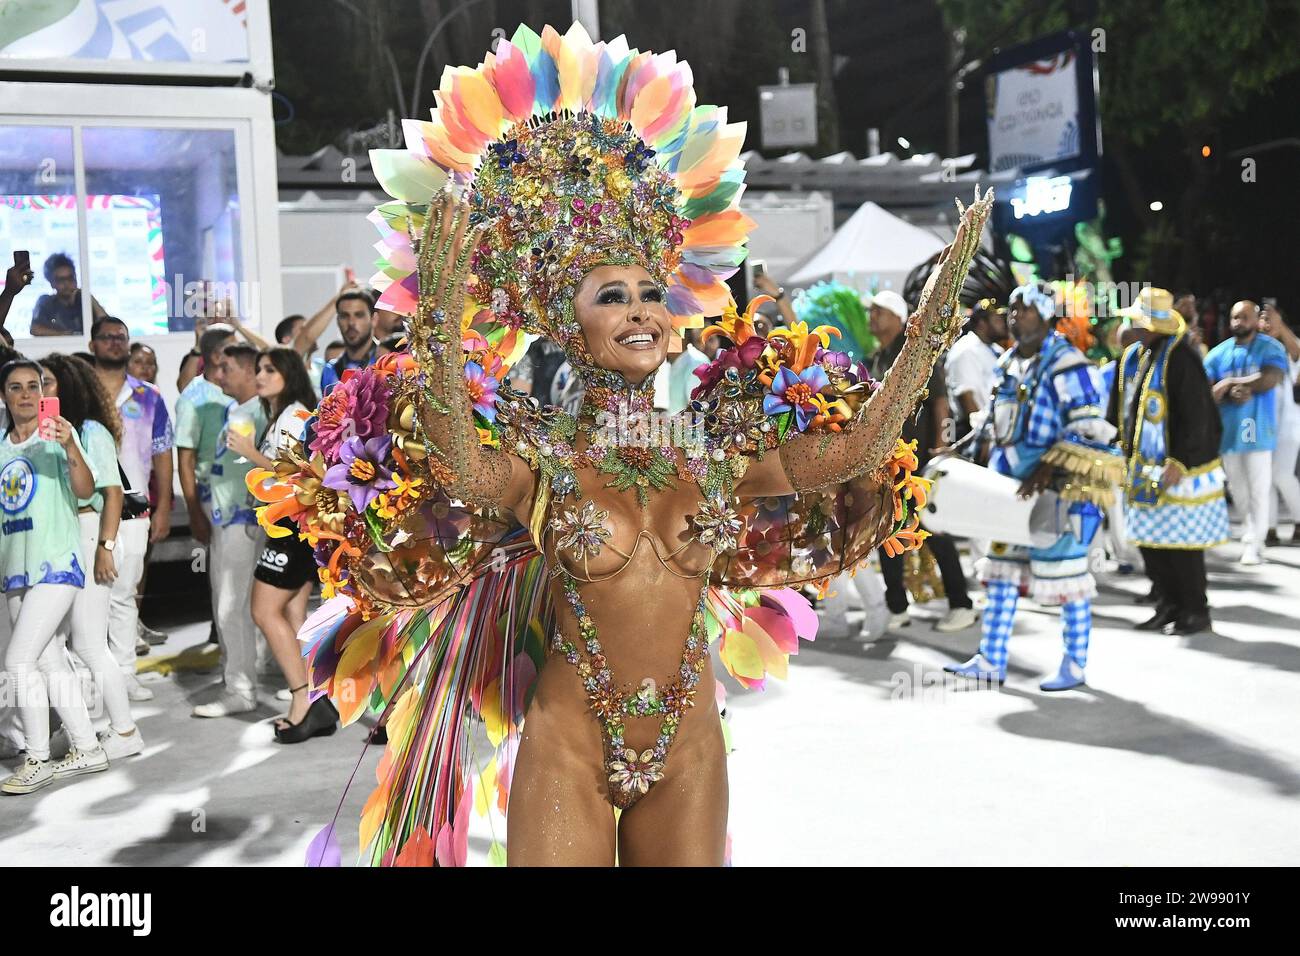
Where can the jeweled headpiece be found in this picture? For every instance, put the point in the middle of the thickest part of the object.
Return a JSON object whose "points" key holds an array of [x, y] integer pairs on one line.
{"points": [[575, 155]]}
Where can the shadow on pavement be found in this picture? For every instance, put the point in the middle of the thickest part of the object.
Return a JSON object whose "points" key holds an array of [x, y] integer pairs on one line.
{"points": [[1096, 718]]}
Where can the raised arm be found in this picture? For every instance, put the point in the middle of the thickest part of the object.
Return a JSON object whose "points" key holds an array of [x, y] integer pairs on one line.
{"points": [[1282, 332], [815, 460], [16, 280], [473, 473], [311, 330]]}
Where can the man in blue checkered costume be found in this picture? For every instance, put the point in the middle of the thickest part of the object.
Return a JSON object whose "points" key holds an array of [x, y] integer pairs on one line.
{"points": [[1047, 428], [1169, 430]]}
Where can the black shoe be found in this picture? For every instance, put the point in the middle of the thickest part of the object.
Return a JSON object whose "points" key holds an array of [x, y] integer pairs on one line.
{"points": [[1271, 539], [380, 736], [321, 720], [1189, 624], [1151, 597], [1163, 616]]}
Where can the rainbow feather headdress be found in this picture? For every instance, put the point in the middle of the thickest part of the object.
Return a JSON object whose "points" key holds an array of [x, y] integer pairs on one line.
{"points": [[575, 155]]}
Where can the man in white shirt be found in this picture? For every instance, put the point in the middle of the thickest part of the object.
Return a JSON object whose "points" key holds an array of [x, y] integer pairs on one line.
{"points": [[971, 365]]}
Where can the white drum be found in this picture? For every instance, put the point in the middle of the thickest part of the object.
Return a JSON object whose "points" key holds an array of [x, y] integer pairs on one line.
{"points": [[969, 501]]}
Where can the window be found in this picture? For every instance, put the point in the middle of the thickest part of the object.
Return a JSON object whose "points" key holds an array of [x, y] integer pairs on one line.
{"points": [[162, 224], [38, 215], [157, 220]]}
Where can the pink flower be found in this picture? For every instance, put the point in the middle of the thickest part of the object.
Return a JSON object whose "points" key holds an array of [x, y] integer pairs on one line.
{"points": [[355, 408], [482, 390], [742, 358]]}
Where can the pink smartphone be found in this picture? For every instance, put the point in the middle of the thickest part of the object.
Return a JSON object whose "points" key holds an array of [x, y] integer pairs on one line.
{"points": [[48, 411]]}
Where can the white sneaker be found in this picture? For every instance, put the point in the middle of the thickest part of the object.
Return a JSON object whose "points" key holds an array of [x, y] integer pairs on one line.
{"points": [[150, 635], [1251, 557], [225, 706], [141, 647], [902, 619], [32, 775], [283, 694], [957, 619], [135, 691], [116, 746], [80, 761]]}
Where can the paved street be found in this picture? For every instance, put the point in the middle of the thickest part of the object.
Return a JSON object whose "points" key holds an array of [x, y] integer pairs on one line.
{"points": [[1181, 751]]}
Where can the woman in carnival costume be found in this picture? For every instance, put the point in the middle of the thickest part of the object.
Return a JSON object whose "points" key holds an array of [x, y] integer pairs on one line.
{"points": [[483, 555]]}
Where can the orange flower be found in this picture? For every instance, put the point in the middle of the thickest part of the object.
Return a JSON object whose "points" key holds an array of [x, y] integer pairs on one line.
{"points": [[830, 412], [907, 538], [805, 342], [739, 328]]}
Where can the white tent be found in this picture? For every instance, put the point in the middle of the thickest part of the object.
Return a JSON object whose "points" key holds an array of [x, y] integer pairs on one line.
{"points": [[874, 249]]}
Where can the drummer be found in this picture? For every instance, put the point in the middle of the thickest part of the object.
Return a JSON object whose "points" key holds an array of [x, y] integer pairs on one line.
{"points": [[1048, 430]]}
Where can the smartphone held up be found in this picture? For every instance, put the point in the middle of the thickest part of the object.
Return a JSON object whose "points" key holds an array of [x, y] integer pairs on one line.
{"points": [[48, 412]]}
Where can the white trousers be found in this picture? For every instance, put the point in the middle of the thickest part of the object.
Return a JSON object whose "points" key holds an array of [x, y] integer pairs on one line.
{"points": [[123, 611], [11, 730], [1250, 478], [40, 674], [871, 593], [1285, 483], [232, 556], [90, 631]]}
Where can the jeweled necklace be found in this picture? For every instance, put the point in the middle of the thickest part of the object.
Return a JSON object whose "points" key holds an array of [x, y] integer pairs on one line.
{"points": [[623, 438]]}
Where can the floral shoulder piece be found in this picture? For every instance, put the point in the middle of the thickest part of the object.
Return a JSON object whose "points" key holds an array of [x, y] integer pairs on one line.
{"points": [[762, 392], [363, 491]]}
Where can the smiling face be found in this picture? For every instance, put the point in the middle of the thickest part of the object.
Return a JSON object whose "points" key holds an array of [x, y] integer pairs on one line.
{"points": [[623, 316], [22, 395]]}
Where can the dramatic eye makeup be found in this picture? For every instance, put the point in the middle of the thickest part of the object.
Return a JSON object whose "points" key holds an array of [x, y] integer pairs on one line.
{"points": [[616, 293]]}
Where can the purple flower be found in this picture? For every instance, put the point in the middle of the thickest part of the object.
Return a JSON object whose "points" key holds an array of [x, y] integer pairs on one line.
{"points": [[482, 390], [362, 470], [828, 358], [791, 391]]}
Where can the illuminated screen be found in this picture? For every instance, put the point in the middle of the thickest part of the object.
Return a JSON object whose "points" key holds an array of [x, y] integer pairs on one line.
{"points": [[124, 234]]}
